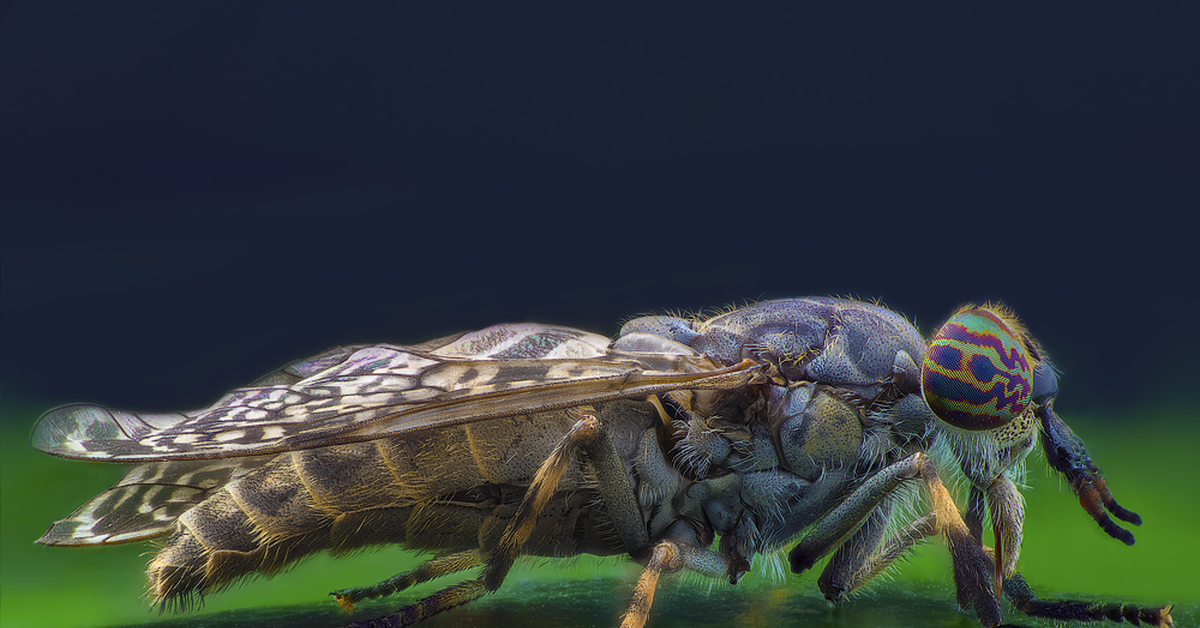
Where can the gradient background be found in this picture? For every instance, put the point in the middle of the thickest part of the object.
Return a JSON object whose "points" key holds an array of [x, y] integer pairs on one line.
{"points": [[193, 195]]}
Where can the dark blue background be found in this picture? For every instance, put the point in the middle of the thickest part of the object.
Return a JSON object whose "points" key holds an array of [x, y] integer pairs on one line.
{"points": [[195, 193]]}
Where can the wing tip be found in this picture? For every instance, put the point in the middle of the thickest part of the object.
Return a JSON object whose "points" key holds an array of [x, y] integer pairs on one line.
{"points": [[66, 430], [66, 533], [70, 533]]}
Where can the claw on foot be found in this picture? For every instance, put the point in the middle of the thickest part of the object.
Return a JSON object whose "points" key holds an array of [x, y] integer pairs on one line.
{"points": [[343, 601]]}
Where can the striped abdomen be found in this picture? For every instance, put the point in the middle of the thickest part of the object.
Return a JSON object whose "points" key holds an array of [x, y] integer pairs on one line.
{"points": [[447, 489]]}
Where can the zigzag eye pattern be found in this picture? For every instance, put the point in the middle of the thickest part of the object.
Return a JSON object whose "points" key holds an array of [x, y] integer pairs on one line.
{"points": [[977, 373]]}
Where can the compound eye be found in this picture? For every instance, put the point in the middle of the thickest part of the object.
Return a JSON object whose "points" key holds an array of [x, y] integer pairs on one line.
{"points": [[977, 373]]}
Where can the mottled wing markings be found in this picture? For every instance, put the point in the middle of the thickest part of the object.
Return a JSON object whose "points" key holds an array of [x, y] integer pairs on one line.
{"points": [[366, 392], [147, 501], [301, 369], [526, 341]]}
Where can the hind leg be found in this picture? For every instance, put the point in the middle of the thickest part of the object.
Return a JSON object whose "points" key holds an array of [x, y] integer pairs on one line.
{"points": [[430, 569], [587, 436]]}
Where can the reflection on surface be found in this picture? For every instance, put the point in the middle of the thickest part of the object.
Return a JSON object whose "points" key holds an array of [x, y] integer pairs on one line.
{"points": [[600, 602]]}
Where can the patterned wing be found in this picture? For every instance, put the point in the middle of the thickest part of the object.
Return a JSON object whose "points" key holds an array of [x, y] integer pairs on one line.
{"points": [[362, 393], [147, 502]]}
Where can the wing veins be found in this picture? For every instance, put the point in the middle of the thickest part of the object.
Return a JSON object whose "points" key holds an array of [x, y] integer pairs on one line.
{"points": [[439, 412]]}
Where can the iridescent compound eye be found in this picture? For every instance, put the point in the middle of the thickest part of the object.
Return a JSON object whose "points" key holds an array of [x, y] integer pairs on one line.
{"points": [[977, 373]]}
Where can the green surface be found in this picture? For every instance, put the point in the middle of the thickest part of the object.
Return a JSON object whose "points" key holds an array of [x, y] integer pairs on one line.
{"points": [[1149, 461]]}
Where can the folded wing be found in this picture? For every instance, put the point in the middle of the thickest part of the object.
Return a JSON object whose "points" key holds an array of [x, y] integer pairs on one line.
{"points": [[366, 392]]}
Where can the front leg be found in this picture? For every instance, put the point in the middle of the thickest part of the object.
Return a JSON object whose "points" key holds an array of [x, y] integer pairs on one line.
{"points": [[1017, 591], [972, 567], [866, 555]]}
